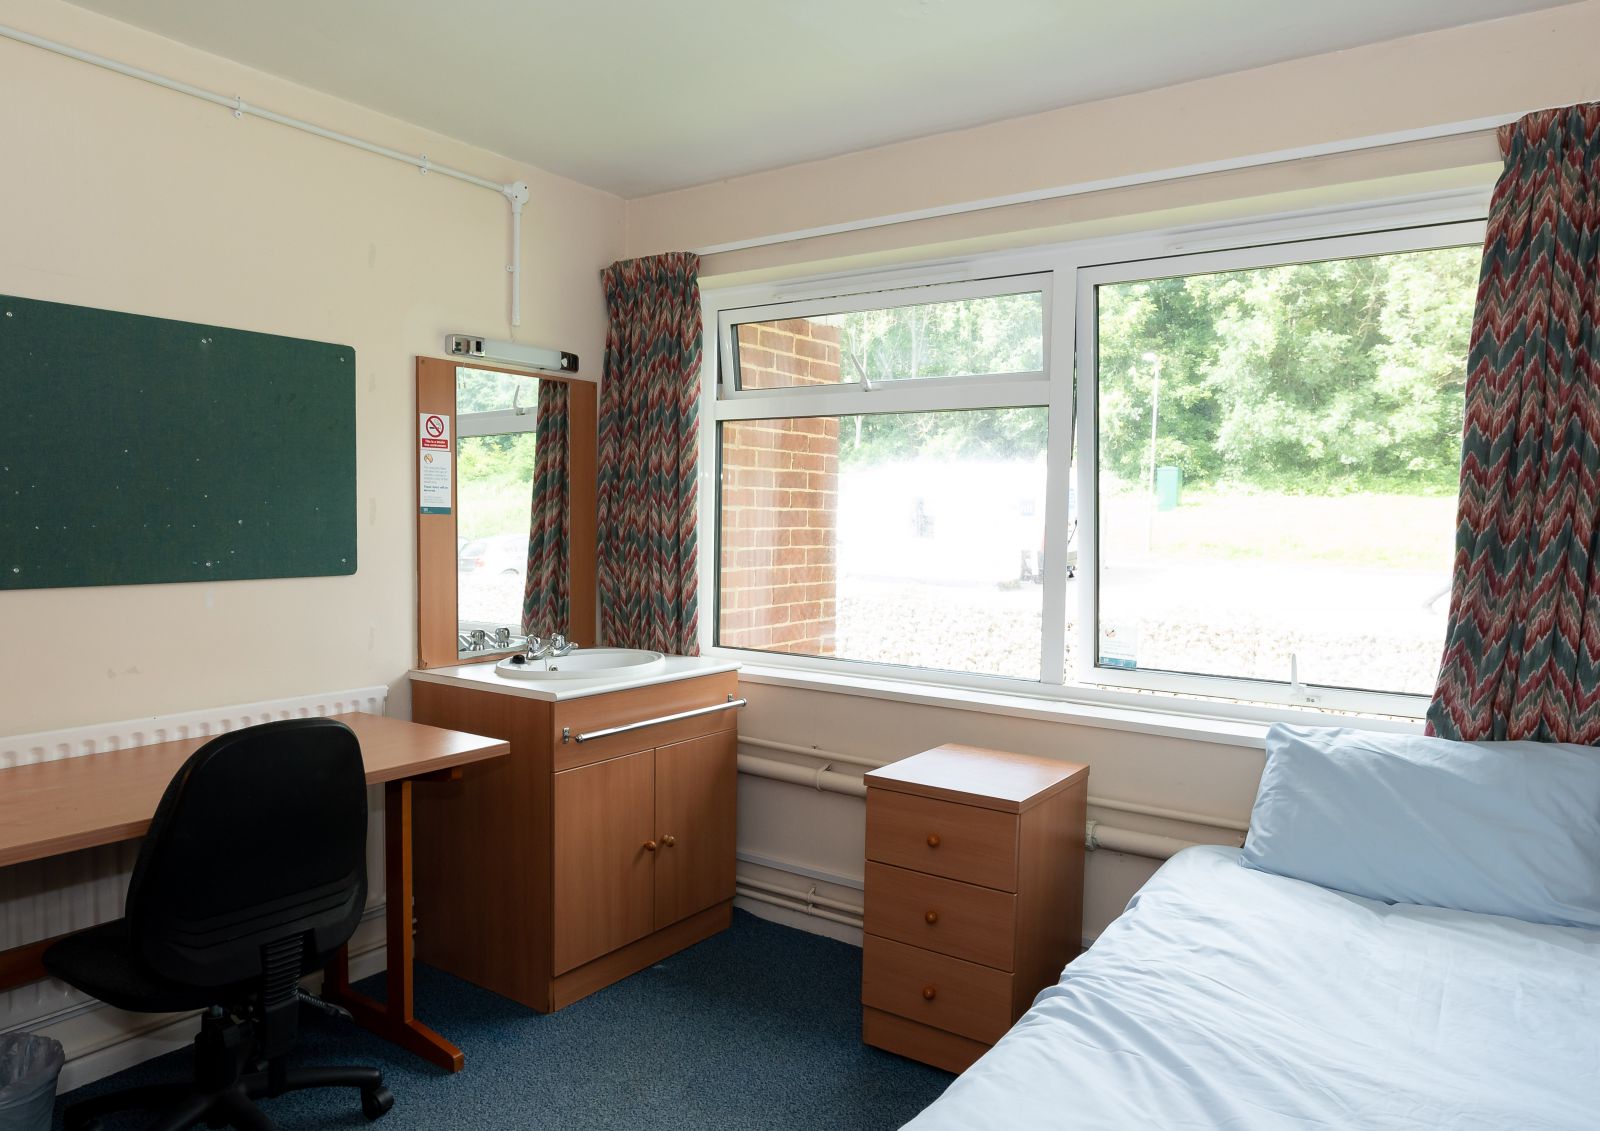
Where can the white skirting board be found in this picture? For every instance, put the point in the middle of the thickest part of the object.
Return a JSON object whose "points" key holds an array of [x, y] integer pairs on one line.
{"points": [[49, 897]]}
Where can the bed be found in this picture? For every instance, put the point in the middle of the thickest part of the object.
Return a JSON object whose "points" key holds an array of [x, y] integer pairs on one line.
{"points": [[1231, 997]]}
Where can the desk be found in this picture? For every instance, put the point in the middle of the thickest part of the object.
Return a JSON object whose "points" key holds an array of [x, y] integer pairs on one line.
{"points": [[49, 808]]}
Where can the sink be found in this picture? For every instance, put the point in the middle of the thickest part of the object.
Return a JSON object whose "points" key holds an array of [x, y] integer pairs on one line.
{"points": [[585, 663]]}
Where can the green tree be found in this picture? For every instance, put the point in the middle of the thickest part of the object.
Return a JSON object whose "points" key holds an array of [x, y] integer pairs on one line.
{"points": [[1345, 375]]}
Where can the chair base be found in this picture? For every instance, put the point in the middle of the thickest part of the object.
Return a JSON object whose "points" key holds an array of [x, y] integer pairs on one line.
{"points": [[186, 1105]]}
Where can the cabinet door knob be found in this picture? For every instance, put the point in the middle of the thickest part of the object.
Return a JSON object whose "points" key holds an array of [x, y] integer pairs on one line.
{"points": [[933, 840], [931, 917], [929, 993], [649, 846], [669, 840]]}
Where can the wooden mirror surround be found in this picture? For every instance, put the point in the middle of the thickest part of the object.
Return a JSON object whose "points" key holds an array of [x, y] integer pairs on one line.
{"points": [[438, 545]]}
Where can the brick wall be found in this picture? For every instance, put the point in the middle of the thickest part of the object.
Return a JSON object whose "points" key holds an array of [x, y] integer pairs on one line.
{"points": [[780, 492]]}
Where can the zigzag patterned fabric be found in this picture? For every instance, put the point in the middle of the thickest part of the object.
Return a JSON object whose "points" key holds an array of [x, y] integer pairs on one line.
{"points": [[544, 597], [1522, 655], [649, 443]]}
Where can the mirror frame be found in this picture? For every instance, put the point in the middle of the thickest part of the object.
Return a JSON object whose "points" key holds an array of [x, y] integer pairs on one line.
{"points": [[437, 620]]}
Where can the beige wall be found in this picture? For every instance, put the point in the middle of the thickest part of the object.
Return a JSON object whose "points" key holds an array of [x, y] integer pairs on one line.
{"points": [[121, 195], [1498, 68]]}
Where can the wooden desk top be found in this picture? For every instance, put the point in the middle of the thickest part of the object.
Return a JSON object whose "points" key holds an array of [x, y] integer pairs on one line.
{"points": [[48, 808]]}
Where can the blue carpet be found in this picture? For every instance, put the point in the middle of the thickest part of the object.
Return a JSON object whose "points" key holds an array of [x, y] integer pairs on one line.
{"points": [[758, 1027]]}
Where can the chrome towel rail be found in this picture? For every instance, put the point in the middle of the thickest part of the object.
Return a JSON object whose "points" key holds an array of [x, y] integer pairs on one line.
{"points": [[731, 705]]}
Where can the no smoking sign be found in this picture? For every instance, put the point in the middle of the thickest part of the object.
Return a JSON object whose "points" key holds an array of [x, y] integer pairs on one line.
{"points": [[435, 431]]}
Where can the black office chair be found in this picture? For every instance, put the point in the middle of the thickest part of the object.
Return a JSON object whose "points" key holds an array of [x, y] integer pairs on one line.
{"points": [[252, 875]]}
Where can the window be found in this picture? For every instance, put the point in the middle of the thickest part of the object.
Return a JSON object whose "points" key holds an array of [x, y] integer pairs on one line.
{"points": [[1277, 449], [1235, 482], [886, 506]]}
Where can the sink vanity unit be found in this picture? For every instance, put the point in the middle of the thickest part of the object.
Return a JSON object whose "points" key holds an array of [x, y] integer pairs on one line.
{"points": [[604, 840], [601, 844]]}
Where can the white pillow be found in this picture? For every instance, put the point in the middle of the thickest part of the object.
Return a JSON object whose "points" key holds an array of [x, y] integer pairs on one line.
{"points": [[1504, 828]]}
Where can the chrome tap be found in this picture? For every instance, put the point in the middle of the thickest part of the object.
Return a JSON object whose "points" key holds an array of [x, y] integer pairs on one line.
{"points": [[549, 648]]}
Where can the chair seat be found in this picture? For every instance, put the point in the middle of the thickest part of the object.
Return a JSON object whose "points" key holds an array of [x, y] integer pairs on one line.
{"points": [[102, 961]]}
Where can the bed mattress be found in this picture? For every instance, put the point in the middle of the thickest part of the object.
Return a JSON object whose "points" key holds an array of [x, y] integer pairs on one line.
{"points": [[1230, 998]]}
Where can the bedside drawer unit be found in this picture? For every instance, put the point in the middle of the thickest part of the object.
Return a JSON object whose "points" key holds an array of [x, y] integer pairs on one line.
{"points": [[977, 846], [974, 896], [961, 920]]}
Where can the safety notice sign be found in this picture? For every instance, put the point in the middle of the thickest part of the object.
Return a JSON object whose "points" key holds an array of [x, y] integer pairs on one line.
{"points": [[433, 469]]}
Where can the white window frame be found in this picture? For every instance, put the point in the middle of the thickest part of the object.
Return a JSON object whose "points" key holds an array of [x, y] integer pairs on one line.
{"points": [[498, 422], [1035, 389], [1065, 273], [1089, 279]]}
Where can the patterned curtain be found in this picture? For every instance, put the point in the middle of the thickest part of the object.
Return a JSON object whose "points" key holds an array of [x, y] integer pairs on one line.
{"points": [[1522, 656], [649, 401], [544, 600]]}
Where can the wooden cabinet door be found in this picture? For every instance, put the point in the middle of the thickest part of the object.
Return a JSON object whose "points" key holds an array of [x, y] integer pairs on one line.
{"points": [[604, 872], [696, 795]]}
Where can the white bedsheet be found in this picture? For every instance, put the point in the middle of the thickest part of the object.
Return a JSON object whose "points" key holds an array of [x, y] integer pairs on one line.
{"points": [[1226, 997]]}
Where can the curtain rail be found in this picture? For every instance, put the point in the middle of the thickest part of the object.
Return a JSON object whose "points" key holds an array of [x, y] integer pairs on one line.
{"points": [[1131, 180]]}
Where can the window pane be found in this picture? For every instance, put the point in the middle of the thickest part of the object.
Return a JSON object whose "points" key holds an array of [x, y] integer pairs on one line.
{"points": [[494, 494], [484, 390], [1278, 463], [897, 538], [961, 338]]}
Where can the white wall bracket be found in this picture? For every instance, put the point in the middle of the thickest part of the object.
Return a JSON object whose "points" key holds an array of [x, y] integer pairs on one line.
{"points": [[516, 194]]}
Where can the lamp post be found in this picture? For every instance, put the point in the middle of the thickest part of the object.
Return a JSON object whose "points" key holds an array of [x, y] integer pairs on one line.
{"points": [[1155, 414]]}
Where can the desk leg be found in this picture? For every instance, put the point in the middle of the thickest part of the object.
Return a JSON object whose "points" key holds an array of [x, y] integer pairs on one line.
{"points": [[393, 1019]]}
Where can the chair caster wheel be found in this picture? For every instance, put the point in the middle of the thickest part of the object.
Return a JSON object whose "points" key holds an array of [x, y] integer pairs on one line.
{"points": [[375, 1102]]}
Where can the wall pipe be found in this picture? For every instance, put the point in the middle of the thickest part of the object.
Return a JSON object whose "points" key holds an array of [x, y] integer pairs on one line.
{"points": [[745, 892], [806, 897], [515, 192], [1184, 816], [1096, 835], [821, 778]]}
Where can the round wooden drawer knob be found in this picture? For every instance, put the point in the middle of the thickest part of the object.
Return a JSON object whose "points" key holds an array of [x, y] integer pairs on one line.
{"points": [[931, 918], [929, 993], [669, 841], [649, 846], [933, 840]]}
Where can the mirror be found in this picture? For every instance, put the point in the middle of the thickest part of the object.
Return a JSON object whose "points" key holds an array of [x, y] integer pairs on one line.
{"points": [[521, 448], [497, 418]]}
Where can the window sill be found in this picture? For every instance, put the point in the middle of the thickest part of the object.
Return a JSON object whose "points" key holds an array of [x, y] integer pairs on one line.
{"points": [[1181, 724]]}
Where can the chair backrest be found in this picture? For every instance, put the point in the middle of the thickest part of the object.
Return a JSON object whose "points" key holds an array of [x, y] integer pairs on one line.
{"points": [[260, 838]]}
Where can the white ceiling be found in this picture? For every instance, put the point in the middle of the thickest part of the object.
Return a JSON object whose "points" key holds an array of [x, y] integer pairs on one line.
{"points": [[640, 96]]}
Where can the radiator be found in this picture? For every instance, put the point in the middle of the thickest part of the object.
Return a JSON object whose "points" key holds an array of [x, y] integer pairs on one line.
{"points": [[49, 897]]}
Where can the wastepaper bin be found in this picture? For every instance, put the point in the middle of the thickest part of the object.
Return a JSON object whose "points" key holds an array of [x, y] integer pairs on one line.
{"points": [[29, 1067]]}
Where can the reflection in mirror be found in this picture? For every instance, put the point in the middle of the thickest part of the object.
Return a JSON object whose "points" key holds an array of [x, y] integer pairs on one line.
{"points": [[511, 498]]}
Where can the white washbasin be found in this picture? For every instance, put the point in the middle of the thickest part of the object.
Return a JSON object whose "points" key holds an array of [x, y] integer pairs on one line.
{"points": [[585, 663]]}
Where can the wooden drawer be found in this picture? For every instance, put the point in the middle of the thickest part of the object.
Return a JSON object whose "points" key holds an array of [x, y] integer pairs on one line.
{"points": [[619, 708], [935, 989], [946, 916], [942, 838]]}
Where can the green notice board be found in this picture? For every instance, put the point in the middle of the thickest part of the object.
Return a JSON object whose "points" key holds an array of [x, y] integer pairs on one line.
{"points": [[137, 450]]}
